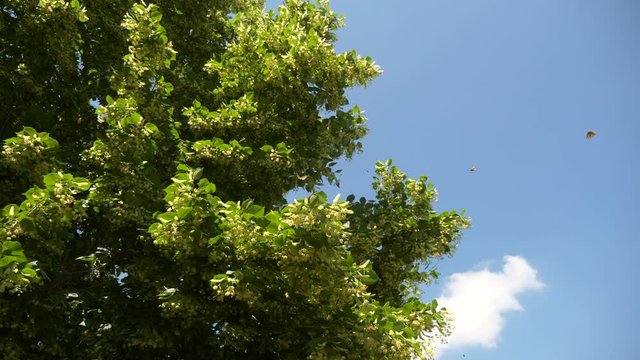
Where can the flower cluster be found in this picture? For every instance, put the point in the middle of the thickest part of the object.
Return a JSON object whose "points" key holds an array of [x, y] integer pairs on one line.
{"points": [[41, 223]]}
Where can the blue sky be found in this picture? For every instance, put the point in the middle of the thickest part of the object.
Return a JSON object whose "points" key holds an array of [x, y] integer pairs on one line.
{"points": [[512, 87]]}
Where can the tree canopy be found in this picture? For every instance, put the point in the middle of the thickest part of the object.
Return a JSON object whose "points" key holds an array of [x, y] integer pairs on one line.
{"points": [[147, 151]]}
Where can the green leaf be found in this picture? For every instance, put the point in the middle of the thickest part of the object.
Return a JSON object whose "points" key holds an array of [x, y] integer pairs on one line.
{"points": [[167, 217], [184, 212], [312, 38], [262, 222], [274, 220], [87, 258], [10, 246], [219, 278], [29, 272], [318, 198], [51, 179], [197, 173], [82, 183], [214, 240], [155, 228], [170, 192], [181, 178], [349, 259], [167, 293], [50, 143], [369, 280], [8, 260], [10, 210], [205, 186], [317, 242], [151, 128], [255, 210], [136, 118], [29, 131], [370, 277]]}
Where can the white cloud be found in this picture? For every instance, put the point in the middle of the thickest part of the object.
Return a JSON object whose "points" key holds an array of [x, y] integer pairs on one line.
{"points": [[478, 300]]}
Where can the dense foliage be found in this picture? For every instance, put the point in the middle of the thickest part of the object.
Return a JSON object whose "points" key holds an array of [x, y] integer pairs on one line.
{"points": [[147, 150]]}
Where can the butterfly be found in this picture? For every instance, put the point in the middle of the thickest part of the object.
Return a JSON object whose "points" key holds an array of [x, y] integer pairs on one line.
{"points": [[590, 134]]}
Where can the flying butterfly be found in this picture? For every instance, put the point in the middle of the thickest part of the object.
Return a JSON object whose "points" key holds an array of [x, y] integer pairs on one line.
{"points": [[590, 134]]}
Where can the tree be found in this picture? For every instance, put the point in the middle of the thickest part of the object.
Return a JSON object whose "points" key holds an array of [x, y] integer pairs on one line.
{"points": [[147, 149]]}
